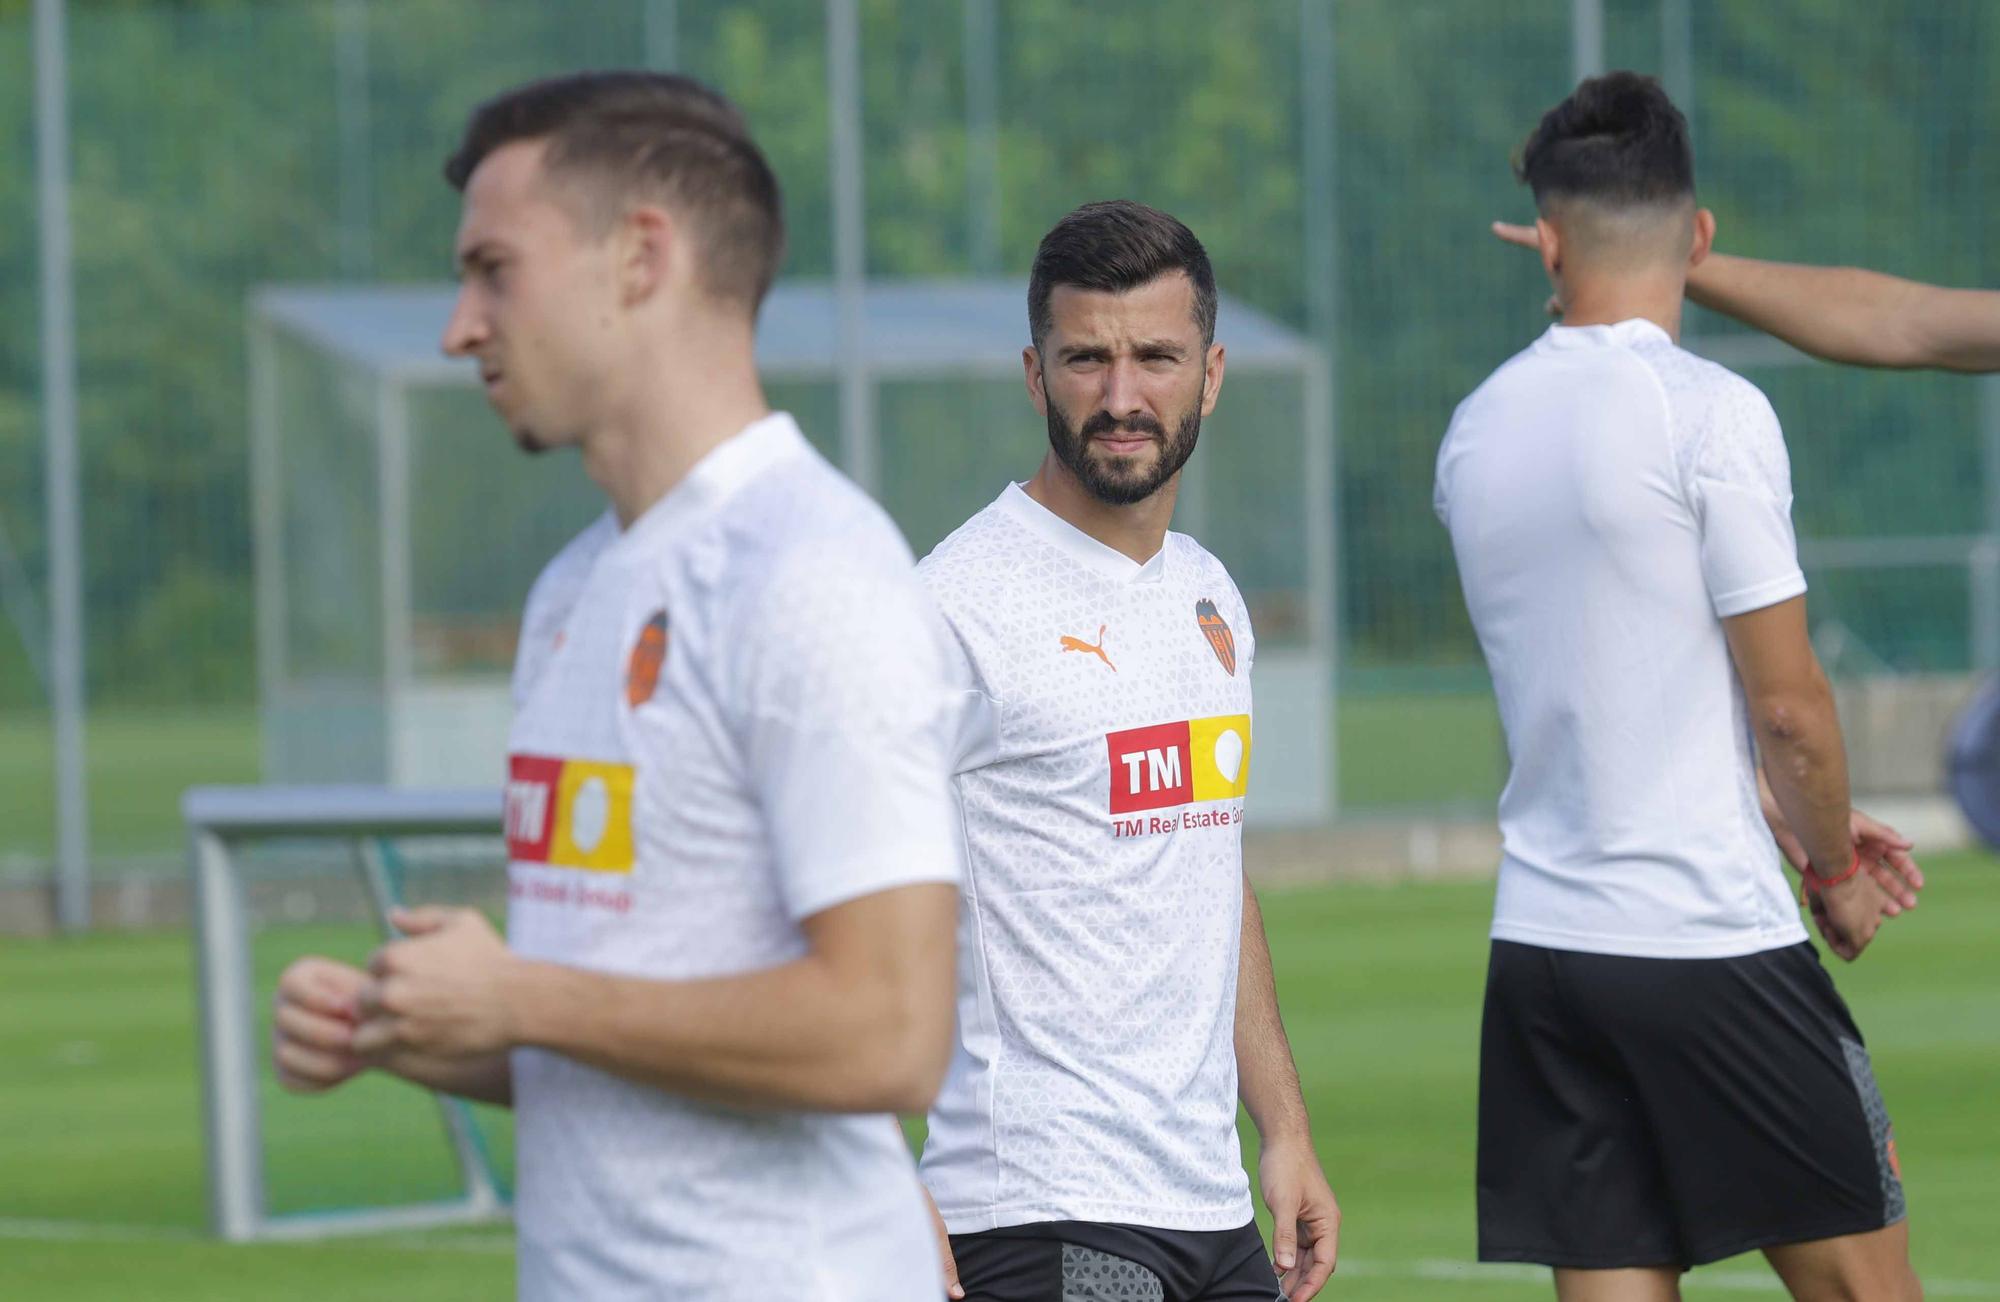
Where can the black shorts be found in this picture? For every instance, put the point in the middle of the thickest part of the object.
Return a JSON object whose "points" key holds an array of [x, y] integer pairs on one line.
{"points": [[1672, 1112], [1083, 1261]]}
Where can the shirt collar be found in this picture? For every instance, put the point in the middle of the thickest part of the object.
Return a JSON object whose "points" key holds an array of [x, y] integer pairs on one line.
{"points": [[1078, 545], [1619, 334]]}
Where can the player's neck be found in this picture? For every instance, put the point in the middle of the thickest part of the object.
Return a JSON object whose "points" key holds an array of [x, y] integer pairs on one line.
{"points": [[1609, 300], [675, 415], [1138, 531]]}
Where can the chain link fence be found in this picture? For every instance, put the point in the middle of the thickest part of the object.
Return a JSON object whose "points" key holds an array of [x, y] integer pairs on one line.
{"points": [[1340, 160]]}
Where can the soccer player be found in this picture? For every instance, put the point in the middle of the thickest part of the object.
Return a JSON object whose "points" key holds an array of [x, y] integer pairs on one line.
{"points": [[728, 817], [1844, 314], [1115, 990], [1667, 1075]]}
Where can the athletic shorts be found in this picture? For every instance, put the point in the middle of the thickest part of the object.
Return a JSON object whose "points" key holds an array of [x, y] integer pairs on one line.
{"points": [[1082, 1261], [1672, 1112]]}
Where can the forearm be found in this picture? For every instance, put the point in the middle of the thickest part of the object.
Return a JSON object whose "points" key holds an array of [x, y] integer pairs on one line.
{"points": [[794, 1036], [1804, 763], [1267, 1078], [487, 1078], [1858, 317]]}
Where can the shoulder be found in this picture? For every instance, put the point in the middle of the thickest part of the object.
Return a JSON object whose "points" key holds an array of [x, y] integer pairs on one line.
{"points": [[976, 564], [1715, 416], [1206, 573], [1518, 369], [806, 538], [974, 545], [555, 588], [1697, 389]]}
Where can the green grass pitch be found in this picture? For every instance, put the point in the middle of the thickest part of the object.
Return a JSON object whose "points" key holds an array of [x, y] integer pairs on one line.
{"points": [[103, 1196]]}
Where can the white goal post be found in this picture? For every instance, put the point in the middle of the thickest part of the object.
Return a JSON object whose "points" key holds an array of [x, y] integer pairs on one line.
{"points": [[222, 822]]}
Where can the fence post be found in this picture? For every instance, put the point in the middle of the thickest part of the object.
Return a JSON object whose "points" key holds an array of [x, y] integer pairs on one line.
{"points": [[850, 240], [1586, 38], [66, 677]]}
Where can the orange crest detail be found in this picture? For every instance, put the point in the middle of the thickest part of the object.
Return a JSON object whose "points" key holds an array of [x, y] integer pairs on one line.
{"points": [[649, 655], [1216, 630]]}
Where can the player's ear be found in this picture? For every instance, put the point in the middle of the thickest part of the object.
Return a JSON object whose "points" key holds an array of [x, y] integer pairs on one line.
{"points": [[1704, 236], [1211, 379], [1031, 369], [645, 253], [1551, 244]]}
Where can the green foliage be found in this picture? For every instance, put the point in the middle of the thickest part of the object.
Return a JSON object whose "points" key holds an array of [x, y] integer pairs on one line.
{"points": [[212, 154]]}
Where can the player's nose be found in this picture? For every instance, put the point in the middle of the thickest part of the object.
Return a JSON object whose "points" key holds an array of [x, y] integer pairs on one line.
{"points": [[1124, 395], [466, 329]]}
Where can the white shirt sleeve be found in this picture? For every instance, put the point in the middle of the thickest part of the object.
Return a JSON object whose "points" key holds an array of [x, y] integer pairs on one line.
{"points": [[1740, 488], [848, 731]]}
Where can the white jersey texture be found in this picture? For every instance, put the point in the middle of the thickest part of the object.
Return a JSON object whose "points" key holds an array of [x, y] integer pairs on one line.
{"points": [[730, 717], [1104, 751], [1611, 499]]}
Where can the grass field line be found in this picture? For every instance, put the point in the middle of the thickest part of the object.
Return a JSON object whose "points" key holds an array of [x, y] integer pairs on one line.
{"points": [[1440, 1269], [16, 1227]]}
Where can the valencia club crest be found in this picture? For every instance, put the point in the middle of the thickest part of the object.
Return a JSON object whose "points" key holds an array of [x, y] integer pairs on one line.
{"points": [[649, 654], [1216, 630]]}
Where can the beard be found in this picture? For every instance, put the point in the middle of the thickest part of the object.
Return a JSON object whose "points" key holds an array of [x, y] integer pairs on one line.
{"points": [[1115, 480]]}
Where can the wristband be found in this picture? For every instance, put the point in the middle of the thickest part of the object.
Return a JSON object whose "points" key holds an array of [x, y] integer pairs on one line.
{"points": [[1809, 880]]}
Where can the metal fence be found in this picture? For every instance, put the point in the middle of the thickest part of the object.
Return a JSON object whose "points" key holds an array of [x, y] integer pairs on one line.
{"points": [[1339, 157]]}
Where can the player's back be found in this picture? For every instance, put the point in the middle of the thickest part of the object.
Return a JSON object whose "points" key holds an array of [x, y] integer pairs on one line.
{"points": [[1610, 497], [729, 719]]}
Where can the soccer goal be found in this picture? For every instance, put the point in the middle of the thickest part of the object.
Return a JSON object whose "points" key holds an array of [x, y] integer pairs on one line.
{"points": [[281, 871]]}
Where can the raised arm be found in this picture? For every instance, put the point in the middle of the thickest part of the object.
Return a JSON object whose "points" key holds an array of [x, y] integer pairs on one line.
{"points": [[1305, 1218], [1850, 315], [1843, 314]]}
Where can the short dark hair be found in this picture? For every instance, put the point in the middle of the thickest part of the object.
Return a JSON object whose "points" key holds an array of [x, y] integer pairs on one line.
{"points": [[1617, 140], [617, 135], [1114, 246]]}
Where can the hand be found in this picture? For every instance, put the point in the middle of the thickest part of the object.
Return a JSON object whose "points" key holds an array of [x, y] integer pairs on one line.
{"points": [[312, 1024], [1848, 915], [1524, 236], [441, 991], [1528, 238], [952, 1287], [1305, 1219], [1885, 855]]}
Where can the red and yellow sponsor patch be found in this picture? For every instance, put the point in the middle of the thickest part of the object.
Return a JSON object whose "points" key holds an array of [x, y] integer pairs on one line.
{"points": [[1179, 763], [569, 813]]}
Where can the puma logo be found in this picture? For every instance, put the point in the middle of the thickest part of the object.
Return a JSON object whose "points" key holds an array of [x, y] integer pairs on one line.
{"points": [[1078, 644]]}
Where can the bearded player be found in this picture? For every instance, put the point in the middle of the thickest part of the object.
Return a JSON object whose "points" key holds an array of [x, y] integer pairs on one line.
{"points": [[1116, 997]]}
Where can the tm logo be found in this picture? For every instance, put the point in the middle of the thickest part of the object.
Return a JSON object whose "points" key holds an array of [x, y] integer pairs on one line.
{"points": [[1172, 764]]}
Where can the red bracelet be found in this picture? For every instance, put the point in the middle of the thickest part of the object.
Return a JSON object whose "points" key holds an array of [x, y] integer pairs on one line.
{"points": [[1810, 880]]}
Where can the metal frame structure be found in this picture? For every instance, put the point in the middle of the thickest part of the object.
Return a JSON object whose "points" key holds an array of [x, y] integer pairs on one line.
{"points": [[221, 821], [909, 330]]}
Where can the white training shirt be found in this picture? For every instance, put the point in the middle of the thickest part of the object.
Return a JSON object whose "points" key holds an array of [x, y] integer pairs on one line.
{"points": [[1611, 499], [1104, 752], [789, 754]]}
